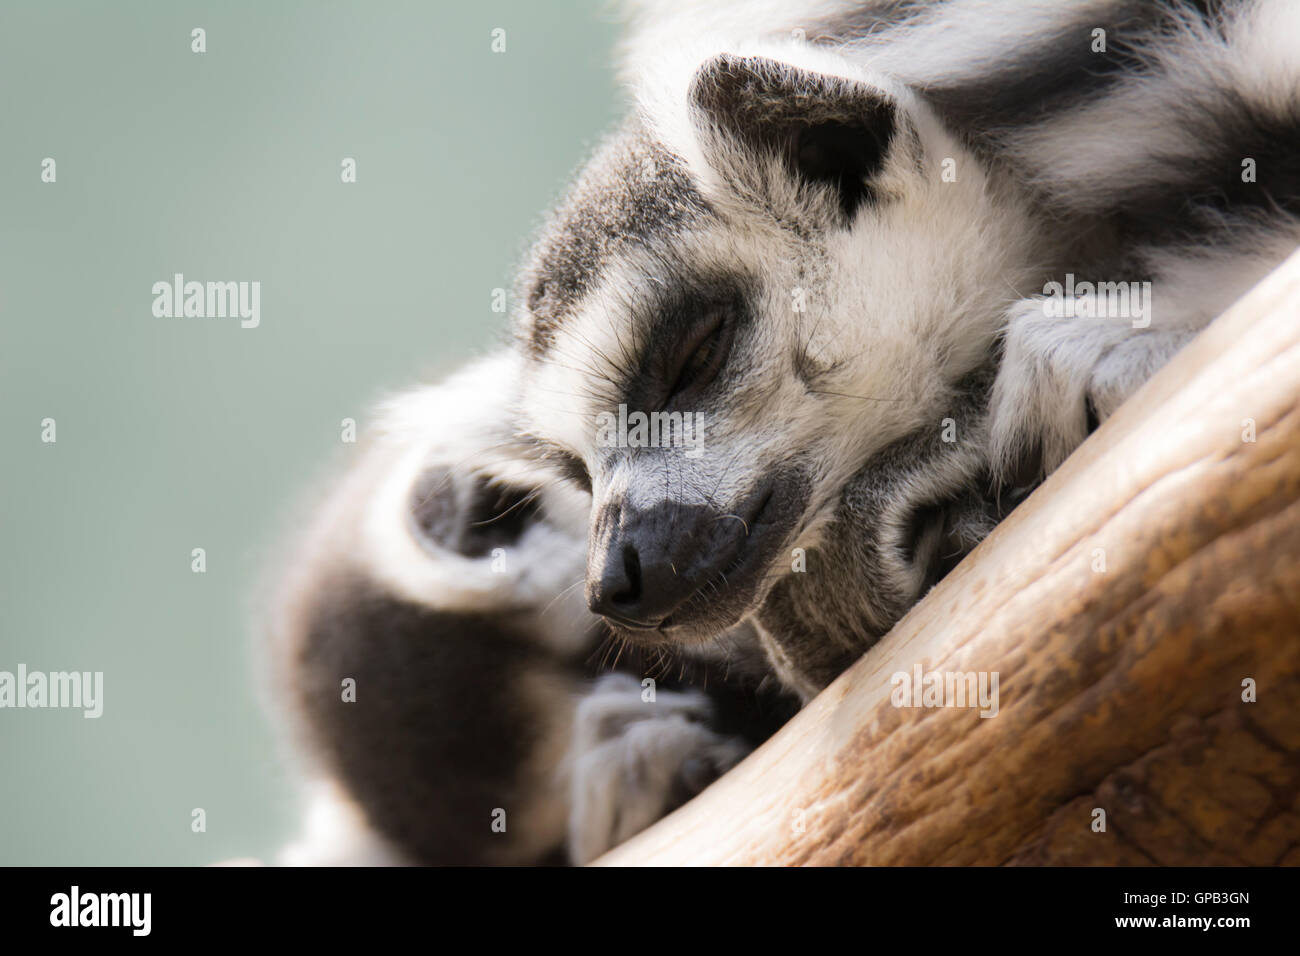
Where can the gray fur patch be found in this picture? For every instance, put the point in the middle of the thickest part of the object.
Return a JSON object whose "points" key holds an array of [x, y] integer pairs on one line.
{"points": [[633, 192], [871, 567]]}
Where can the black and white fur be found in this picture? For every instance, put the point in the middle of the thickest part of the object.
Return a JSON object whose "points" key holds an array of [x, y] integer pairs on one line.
{"points": [[776, 153], [489, 720]]}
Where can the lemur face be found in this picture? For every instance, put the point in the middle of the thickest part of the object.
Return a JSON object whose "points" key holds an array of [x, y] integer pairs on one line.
{"points": [[745, 297]]}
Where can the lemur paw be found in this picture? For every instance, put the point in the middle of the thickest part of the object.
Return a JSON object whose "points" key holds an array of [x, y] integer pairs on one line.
{"points": [[1060, 378], [637, 760]]}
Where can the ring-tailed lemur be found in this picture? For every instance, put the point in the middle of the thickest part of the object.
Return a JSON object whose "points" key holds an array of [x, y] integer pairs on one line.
{"points": [[875, 252], [840, 235]]}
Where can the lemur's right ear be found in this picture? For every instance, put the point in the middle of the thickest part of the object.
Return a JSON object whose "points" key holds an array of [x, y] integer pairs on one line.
{"points": [[825, 130]]}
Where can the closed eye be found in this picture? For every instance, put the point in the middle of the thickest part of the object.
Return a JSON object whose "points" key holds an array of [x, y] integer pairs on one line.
{"points": [[702, 353]]}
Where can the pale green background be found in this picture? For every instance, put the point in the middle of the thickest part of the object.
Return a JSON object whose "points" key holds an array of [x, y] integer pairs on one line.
{"points": [[183, 433]]}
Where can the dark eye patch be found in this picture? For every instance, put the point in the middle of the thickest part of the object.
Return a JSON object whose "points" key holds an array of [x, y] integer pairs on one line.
{"points": [[692, 330], [703, 352]]}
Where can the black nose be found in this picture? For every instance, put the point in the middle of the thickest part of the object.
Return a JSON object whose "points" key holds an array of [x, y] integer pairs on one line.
{"points": [[647, 562]]}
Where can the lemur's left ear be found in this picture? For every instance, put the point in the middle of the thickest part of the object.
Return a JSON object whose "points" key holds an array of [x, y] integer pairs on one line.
{"points": [[825, 129]]}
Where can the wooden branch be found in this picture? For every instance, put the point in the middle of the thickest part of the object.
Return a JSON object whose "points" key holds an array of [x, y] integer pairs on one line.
{"points": [[1119, 689]]}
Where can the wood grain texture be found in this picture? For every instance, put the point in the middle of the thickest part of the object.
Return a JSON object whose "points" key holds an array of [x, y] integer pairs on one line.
{"points": [[1118, 689]]}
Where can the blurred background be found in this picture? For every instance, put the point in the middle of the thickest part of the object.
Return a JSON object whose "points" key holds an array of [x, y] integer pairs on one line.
{"points": [[175, 434]]}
